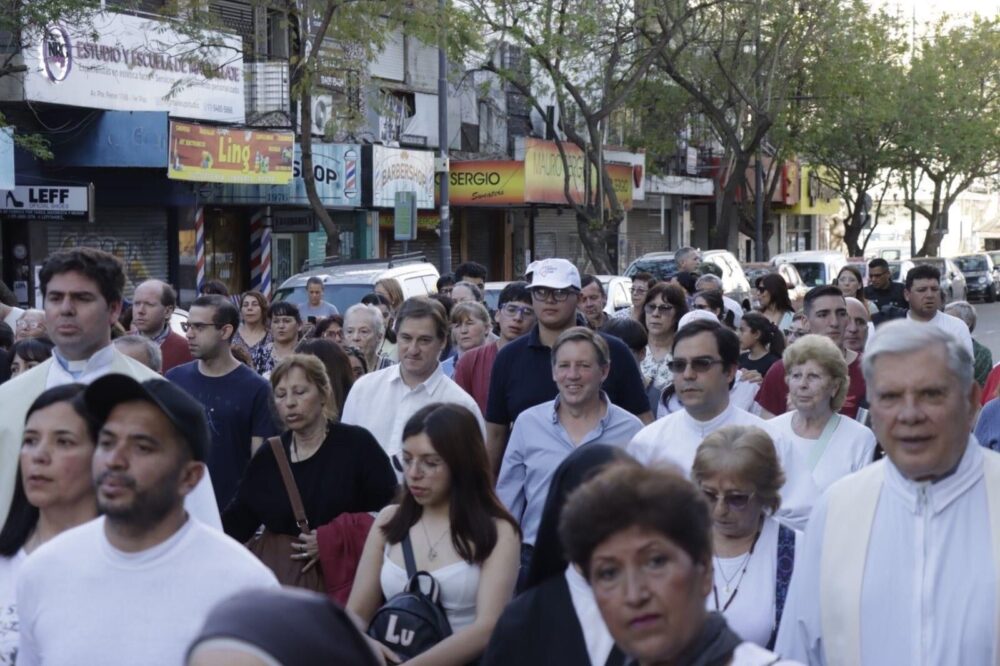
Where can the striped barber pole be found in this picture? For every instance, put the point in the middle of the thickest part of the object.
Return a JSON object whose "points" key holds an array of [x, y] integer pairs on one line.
{"points": [[260, 253], [199, 245]]}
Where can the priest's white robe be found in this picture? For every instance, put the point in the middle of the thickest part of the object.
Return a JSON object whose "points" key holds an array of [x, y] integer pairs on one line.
{"points": [[924, 589]]}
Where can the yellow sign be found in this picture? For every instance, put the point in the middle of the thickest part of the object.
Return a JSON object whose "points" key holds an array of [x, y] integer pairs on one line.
{"points": [[545, 180], [229, 155], [815, 197]]}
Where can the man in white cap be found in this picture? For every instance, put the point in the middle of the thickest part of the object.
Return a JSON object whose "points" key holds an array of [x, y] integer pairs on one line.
{"points": [[522, 373]]}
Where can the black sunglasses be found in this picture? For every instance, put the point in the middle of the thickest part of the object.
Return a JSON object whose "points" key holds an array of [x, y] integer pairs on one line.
{"points": [[735, 501], [699, 365]]}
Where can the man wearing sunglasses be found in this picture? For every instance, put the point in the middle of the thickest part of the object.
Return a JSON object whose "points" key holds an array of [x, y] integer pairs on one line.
{"points": [[522, 375], [236, 399], [514, 317], [704, 363]]}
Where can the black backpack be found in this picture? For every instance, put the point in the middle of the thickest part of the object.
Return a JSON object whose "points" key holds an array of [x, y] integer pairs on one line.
{"points": [[411, 622]]}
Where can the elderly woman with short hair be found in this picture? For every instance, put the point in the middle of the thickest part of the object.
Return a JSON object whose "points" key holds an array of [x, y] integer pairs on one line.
{"points": [[829, 444], [650, 569], [739, 473], [982, 356], [364, 328]]}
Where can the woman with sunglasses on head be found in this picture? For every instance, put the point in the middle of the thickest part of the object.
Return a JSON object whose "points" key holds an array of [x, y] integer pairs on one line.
{"points": [[662, 309], [738, 471], [53, 491], [458, 530]]}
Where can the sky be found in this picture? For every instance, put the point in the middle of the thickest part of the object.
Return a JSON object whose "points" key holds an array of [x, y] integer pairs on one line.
{"points": [[931, 10]]}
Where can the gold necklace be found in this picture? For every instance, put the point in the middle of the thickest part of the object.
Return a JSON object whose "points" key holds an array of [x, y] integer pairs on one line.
{"points": [[432, 551]]}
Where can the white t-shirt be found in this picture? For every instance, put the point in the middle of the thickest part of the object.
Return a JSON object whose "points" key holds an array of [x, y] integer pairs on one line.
{"points": [[851, 447], [751, 611], [950, 324], [81, 601], [9, 567]]}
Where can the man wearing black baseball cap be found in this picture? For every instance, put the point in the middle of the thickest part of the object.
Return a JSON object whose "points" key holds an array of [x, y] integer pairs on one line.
{"points": [[135, 585]]}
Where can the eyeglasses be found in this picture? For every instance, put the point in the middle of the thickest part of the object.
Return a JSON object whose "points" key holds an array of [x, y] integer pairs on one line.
{"points": [[699, 365], [23, 325], [639, 290], [544, 294], [734, 501], [198, 326], [651, 309], [512, 310]]}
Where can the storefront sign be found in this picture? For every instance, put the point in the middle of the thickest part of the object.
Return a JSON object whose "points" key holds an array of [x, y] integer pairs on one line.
{"points": [[56, 202], [293, 221], [401, 170], [486, 183], [545, 179], [336, 171], [229, 155], [127, 63], [6, 158]]}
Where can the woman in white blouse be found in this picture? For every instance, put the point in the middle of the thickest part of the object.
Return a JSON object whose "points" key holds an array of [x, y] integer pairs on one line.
{"points": [[828, 444], [53, 493], [738, 471]]}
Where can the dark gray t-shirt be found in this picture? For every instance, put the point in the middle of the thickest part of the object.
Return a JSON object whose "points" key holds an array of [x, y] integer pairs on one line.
{"points": [[324, 309]]}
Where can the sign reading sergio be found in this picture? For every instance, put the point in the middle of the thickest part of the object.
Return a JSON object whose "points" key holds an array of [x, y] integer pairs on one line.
{"points": [[126, 63]]}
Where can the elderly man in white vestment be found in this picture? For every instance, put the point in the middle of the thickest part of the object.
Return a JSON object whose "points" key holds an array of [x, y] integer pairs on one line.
{"points": [[899, 564], [82, 291]]}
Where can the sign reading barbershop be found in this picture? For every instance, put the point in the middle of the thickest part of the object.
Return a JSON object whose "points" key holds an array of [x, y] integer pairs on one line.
{"points": [[126, 63], [401, 170]]}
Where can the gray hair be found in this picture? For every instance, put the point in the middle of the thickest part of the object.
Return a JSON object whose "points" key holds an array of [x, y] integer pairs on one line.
{"points": [[964, 311], [154, 357], [683, 253], [378, 323], [903, 336], [709, 282], [474, 289]]}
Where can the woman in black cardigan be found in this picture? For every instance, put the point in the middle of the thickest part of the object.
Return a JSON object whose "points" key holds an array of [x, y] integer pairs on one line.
{"points": [[543, 624]]}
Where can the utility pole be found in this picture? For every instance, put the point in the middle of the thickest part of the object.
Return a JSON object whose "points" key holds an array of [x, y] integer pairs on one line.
{"points": [[445, 227], [913, 169]]}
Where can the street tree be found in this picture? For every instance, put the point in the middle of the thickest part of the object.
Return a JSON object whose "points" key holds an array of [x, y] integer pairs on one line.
{"points": [[745, 63], [587, 58], [950, 107], [852, 121]]}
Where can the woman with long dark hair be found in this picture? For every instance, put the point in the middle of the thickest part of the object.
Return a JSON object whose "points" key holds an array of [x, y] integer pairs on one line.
{"points": [[460, 534], [773, 301], [53, 491], [761, 343]]}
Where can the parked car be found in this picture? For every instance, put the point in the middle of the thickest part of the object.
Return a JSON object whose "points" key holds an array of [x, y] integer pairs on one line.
{"points": [[491, 292], [663, 266], [815, 266], [862, 265], [899, 269], [980, 276], [953, 286], [619, 291], [345, 282], [796, 287], [176, 319]]}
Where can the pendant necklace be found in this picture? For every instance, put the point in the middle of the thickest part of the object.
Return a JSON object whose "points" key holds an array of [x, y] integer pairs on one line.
{"points": [[727, 587], [432, 551]]}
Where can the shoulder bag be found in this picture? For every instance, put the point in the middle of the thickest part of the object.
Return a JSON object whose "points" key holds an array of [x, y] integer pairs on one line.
{"points": [[412, 621], [275, 550]]}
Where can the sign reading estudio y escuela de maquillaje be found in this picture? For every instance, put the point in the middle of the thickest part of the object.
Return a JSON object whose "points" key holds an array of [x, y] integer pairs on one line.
{"points": [[46, 202], [126, 63]]}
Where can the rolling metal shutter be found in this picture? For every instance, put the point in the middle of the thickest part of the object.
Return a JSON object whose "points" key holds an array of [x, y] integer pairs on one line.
{"points": [[556, 236], [137, 236]]}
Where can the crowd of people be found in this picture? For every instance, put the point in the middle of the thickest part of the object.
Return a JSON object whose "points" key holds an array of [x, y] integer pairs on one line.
{"points": [[426, 480]]}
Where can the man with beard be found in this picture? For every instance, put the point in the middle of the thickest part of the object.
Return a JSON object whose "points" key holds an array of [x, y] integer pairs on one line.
{"points": [[135, 585]]}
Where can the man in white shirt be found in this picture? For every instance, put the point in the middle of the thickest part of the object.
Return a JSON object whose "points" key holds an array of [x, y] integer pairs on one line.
{"points": [[135, 585], [382, 401], [923, 293], [704, 363], [900, 561], [82, 292]]}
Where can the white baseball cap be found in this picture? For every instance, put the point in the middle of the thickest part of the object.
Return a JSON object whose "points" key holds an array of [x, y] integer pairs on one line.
{"points": [[554, 274]]}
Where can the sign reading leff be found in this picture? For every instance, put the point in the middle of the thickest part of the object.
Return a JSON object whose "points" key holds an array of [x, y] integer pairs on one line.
{"points": [[126, 63], [46, 202], [229, 155], [545, 180]]}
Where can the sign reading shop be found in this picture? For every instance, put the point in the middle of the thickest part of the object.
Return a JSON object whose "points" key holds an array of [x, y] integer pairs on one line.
{"points": [[127, 63]]}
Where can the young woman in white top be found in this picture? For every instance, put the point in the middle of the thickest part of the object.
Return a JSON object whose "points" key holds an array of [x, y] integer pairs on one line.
{"points": [[738, 471], [461, 534], [53, 492]]}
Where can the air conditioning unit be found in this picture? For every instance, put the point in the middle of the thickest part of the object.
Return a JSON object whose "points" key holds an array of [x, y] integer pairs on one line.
{"points": [[322, 112]]}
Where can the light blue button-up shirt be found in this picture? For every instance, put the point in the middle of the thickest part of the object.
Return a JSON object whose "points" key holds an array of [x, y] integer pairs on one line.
{"points": [[538, 443]]}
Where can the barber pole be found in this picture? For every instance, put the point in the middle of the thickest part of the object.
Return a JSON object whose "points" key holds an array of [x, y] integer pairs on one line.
{"points": [[199, 245], [260, 253]]}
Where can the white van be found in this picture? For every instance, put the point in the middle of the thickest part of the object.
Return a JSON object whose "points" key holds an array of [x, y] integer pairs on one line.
{"points": [[817, 267]]}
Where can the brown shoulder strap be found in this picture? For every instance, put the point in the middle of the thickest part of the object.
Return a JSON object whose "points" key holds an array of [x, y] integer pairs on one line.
{"points": [[293, 490]]}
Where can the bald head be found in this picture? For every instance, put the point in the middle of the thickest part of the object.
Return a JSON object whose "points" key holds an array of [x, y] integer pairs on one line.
{"points": [[856, 332], [153, 303]]}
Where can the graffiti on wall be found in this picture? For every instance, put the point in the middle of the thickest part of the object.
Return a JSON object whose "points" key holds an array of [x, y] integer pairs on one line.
{"points": [[137, 257]]}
